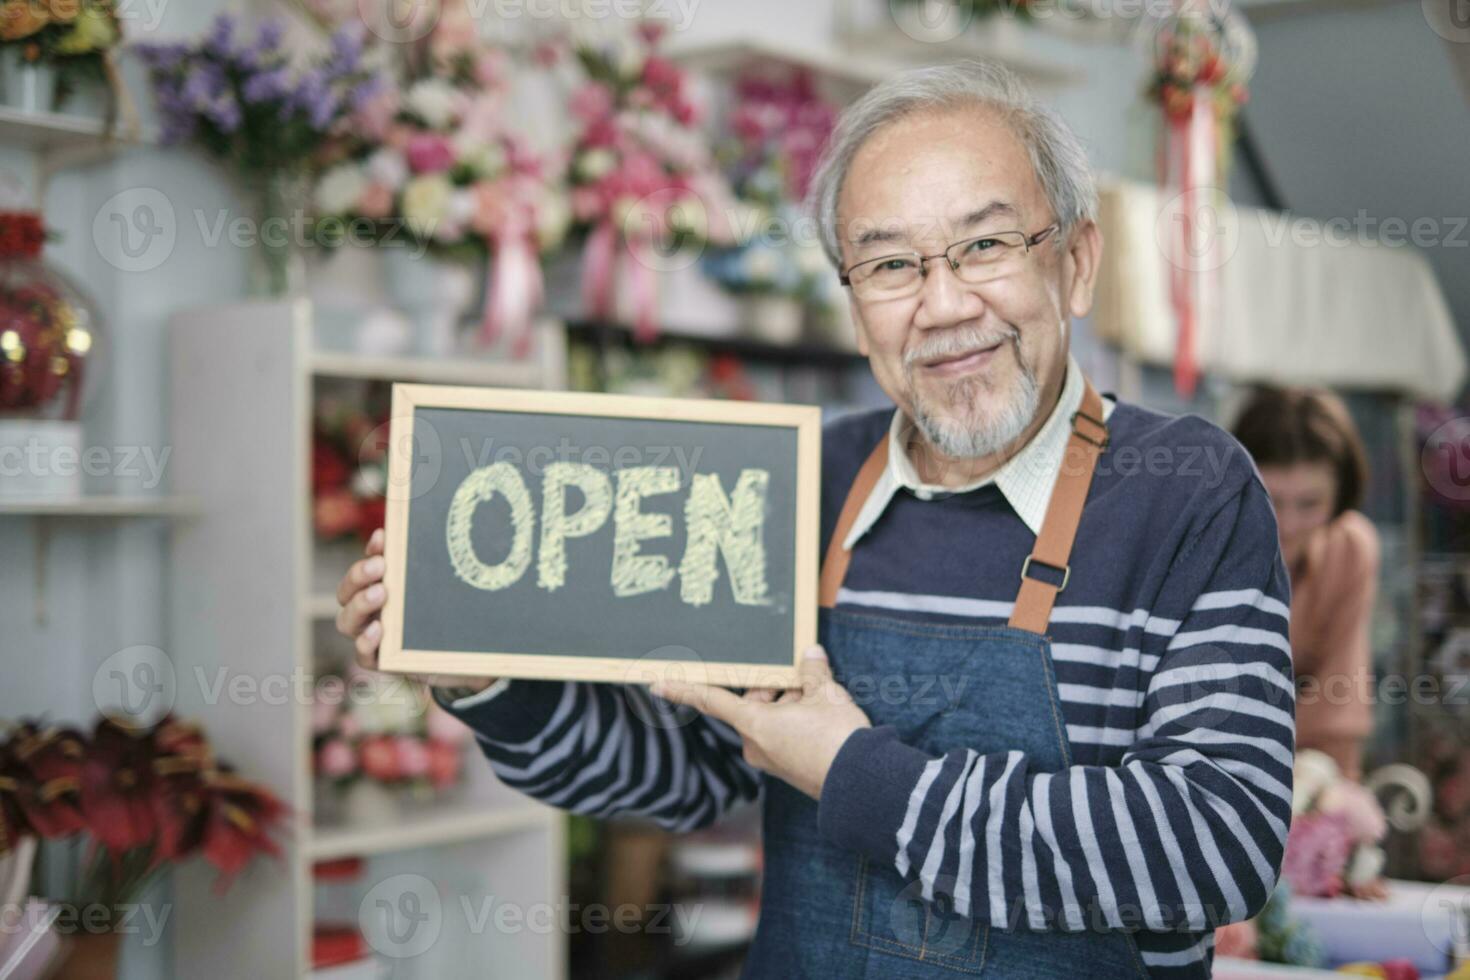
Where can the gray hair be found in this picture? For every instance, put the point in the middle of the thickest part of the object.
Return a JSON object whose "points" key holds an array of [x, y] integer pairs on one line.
{"points": [[1056, 154]]}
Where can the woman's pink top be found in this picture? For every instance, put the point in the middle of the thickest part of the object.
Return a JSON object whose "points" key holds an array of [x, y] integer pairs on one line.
{"points": [[1332, 594]]}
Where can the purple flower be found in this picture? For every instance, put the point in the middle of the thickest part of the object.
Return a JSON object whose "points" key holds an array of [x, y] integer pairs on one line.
{"points": [[266, 86], [221, 34], [360, 93], [203, 84], [224, 112]]}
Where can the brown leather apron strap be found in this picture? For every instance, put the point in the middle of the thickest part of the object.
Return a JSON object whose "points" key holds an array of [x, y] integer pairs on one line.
{"points": [[1063, 514], [834, 565], [1058, 529]]}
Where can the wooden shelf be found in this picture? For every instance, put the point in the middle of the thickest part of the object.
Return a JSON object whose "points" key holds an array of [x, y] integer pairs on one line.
{"points": [[100, 507], [428, 829], [792, 355], [55, 131], [463, 371]]}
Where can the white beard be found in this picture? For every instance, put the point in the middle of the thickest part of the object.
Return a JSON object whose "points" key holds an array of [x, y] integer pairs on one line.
{"points": [[975, 429]]}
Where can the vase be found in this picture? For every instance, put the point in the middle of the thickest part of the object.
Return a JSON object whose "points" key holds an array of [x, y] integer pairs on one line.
{"points": [[368, 803], [774, 319], [279, 205], [91, 956], [25, 85], [436, 294]]}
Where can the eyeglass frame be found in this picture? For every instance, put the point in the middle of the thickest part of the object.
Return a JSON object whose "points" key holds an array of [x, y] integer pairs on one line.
{"points": [[1027, 243]]}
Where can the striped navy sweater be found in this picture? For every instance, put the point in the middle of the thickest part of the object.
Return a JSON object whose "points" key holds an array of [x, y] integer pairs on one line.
{"points": [[1173, 666]]}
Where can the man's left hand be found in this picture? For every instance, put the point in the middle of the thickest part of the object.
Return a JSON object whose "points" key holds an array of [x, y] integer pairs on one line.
{"points": [[792, 734]]}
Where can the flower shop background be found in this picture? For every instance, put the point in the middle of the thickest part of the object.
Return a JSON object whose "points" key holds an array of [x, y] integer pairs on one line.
{"points": [[90, 595]]}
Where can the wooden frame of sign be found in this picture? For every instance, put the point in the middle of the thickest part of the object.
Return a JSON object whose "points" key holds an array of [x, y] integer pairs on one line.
{"points": [[410, 399]]}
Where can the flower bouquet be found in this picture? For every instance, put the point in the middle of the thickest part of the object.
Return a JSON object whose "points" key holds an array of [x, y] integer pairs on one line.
{"points": [[779, 127], [433, 165], [385, 732], [643, 181], [241, 100], [1336, 827], [76, 38], [348, 471], [141, 799]]}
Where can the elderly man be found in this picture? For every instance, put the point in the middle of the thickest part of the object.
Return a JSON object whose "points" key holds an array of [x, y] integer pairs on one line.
{"points": [[1048, 731]]}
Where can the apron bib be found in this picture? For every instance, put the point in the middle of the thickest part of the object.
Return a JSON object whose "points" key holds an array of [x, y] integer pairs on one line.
{"points": [[828, 912]]}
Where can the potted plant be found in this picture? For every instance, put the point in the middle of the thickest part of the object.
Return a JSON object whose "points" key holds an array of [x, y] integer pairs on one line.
{"points": [[434, 176], [646, 192], [242, 101], [53, 50], [139, 801], [778, 126], [48, 361]]}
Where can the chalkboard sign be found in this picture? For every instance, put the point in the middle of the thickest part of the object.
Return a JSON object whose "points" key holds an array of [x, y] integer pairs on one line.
{"points": [[600, 537]]}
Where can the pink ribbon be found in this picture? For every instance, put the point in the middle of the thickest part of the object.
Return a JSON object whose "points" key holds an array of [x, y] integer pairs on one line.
{"points": [[515, 289], [597, 271]]}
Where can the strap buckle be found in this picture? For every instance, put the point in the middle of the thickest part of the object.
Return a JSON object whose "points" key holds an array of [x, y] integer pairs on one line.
{"points": [[1066, 571], [1101, 442]]}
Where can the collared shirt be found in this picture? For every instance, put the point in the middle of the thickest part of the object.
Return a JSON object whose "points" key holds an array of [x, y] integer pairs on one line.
{"points": [[1025, 480]]}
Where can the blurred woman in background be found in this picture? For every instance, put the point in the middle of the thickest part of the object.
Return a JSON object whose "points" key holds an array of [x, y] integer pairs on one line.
{"points": [[1312, 461]]}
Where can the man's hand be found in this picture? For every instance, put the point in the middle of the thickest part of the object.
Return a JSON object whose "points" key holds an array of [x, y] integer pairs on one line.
{"points": [[361, 595], [793, 734]]}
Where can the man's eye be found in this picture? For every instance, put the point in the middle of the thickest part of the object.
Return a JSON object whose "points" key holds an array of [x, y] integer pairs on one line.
{"points": [[982, 244], [893, 265]]}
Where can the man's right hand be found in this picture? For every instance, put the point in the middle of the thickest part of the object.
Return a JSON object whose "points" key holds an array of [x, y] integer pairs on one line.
{"points": [[361, 595]]}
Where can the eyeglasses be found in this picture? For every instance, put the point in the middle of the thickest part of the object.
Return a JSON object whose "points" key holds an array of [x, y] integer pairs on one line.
{"points": [[974, 260]]}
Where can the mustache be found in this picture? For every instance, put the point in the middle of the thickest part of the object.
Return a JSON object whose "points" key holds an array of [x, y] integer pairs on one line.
{"points": [[957, 343]]}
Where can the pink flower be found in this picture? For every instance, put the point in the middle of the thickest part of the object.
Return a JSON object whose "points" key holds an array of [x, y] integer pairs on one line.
{"points": [[587, 204], [1317, 850], [336, 759], [430, 153], [372, 119], [376, 201], [349, 725], [413, 757], [591, 102], [445, 761], [1238, 939], [1364, 818], [380, 758]]}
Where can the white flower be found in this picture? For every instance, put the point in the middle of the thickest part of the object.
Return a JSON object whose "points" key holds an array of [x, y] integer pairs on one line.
{"points": [[426, 203], [553, 217], [688, 215], [594, 163], [434, 101], [388, 167], [484, 159], [462, 208], [761, 264], [369, 481], [1365, 866], [340, 189], [1314, 772]]}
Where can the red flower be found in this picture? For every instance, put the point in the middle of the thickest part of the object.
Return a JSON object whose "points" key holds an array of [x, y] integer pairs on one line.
{"points": [[117, 785], [21, 235], [50, 792], [328, 469], [380, 758], [371, 514], [239, 820], [336, 512]]}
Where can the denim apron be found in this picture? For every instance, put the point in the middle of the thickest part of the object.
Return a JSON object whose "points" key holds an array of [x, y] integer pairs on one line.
{"points": [[829, 912]]}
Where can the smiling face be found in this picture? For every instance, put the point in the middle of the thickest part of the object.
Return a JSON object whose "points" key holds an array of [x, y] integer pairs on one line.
{"points": [[975, 366]]}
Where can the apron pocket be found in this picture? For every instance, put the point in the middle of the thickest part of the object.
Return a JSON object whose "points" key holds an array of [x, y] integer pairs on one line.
{"points": [[890, 915]]}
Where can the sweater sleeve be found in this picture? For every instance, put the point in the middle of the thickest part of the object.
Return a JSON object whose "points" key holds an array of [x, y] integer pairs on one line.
{"points": [[606, 750], [1185, 832]]}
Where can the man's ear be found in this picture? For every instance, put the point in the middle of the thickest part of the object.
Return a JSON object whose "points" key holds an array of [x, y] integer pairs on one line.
{"points": [[1085, 255]]}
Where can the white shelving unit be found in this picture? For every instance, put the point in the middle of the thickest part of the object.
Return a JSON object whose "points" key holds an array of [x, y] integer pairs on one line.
{"points": [[98, 506], [248, 599], [57, 140]]}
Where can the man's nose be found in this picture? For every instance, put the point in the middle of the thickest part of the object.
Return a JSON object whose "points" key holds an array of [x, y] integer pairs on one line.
{"points": [[944, 299]]}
